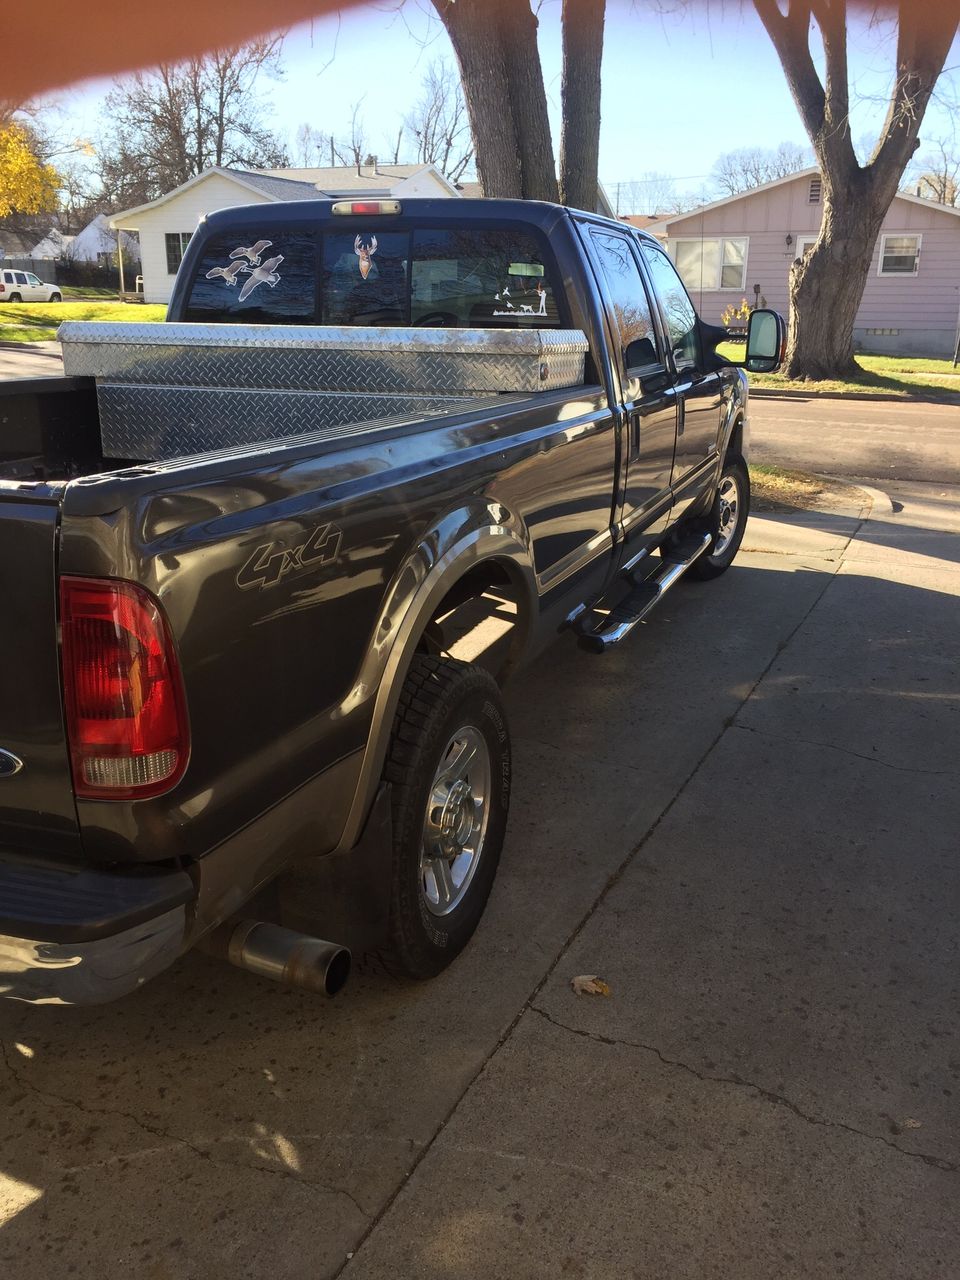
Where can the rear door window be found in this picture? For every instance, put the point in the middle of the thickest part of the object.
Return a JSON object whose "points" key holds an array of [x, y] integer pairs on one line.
{"points": [[250, 279], [678, 310], [628, 295]]}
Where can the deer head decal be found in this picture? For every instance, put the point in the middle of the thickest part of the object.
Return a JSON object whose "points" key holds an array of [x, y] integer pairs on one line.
{"points": [[365, 247]]}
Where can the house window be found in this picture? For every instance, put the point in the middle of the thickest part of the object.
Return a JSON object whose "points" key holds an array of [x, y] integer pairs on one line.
{"points": [[815, 191], [804, 245], [177, 242], [899, 255], [711, 264]]}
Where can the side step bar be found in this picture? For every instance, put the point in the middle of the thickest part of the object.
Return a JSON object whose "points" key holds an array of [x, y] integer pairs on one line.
{"points": [[599, 632]]}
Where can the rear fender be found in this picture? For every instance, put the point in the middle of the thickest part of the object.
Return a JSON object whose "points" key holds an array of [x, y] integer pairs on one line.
{"points": [[459, 542]]}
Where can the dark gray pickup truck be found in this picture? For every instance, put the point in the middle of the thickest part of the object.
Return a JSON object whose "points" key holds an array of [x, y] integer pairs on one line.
{"points": [[266, 566]]}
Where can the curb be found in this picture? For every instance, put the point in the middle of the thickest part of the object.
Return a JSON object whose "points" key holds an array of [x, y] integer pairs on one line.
{"points": [[772, 393]]}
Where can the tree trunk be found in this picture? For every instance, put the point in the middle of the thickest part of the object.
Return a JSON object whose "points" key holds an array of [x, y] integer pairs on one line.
{"points": [[827, 285], [495, 42], [528, 100], [483, 73], [580, 97]]}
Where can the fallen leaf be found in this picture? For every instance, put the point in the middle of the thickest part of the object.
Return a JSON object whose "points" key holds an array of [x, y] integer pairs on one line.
{"points": [[588, 984], [910, 1124]]}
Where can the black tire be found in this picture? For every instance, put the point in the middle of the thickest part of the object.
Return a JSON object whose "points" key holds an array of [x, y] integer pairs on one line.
{"points": [[56, 297], [712, 563], [15, 297], [440, 697]]}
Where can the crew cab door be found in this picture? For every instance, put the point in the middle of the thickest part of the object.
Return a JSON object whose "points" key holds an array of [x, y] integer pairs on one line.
{"points": [[699, 393], [648, 399]]}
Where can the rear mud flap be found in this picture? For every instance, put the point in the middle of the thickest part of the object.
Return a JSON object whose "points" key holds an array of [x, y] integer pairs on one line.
{"points": [[345, 896]]}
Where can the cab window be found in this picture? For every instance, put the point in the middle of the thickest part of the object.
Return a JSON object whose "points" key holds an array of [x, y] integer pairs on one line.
{"points": [[243, 278]]}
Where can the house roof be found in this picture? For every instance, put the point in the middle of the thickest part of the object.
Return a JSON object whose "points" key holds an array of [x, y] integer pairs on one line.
{"points": [[661, 225], [300, 184], [642, 220], [345, 177], [263, 183]]}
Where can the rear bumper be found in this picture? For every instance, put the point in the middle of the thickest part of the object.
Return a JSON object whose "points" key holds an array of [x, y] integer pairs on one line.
{"points": [[85, 936]]}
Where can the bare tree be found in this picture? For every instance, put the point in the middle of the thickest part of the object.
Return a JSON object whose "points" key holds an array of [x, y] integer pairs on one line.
{"points": [[937, 175], [737, 171], [826, 285], [651, 193], [580, 102], [440, 125], [169, 124]]}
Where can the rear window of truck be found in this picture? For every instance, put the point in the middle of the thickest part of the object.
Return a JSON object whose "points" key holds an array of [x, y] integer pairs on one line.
{"points": [[473, 277]]}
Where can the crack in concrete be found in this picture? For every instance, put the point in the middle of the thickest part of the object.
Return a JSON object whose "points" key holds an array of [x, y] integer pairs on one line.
{"points": [[847, 751], [738, 1082], [170, 1138]]}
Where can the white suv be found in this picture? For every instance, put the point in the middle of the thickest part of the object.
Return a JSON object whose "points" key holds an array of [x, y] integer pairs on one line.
{"points": [[23, 286]]}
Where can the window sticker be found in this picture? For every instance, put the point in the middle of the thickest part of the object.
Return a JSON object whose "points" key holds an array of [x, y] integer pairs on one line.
{"points": [[267, 274], [247, 262], [253, 253], [522, 308], [365, 247]]}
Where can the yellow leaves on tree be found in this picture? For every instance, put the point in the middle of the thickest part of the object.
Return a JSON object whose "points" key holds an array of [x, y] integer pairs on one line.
{"points": [[26, 184]]}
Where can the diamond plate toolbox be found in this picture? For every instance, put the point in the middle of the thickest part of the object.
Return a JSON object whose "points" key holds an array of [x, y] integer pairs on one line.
{"points": [[161, 387]]}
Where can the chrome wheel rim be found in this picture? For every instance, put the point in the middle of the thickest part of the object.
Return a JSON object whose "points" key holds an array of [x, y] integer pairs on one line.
{"points": [[729, 495], [455, 824]]}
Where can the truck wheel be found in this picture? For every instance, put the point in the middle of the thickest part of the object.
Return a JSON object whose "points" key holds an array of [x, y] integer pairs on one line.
{"points": [[14, 297], [449, 766], [727, 520], [56, 297]]}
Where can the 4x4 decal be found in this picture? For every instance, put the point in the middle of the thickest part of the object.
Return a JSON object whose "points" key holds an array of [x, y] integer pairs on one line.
{"points": [[268, 564]]}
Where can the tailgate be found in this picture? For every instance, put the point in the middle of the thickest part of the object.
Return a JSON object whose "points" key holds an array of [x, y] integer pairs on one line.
{"points": [[37, 812]]}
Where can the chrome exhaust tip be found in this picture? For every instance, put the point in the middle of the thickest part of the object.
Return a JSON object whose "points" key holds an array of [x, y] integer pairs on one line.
{"points": [[283, 955]]}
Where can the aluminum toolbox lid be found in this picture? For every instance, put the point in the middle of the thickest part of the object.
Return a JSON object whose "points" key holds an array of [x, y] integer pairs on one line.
{"points": [[317, 358], [109, 337]]}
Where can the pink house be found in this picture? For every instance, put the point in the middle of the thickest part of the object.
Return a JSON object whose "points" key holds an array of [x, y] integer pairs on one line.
{"points": [[742, 247]]}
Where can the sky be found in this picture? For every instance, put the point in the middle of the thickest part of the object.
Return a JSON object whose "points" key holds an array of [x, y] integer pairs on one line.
{"points": [[678, 89]]}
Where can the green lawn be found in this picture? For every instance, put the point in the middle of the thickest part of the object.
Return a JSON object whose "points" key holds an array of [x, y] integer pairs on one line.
{"points": [[74, 293], [906, 377], [38, 322]]}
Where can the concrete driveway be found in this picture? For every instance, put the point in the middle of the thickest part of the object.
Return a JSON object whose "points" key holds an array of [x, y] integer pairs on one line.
{"points": [[745, 821]]}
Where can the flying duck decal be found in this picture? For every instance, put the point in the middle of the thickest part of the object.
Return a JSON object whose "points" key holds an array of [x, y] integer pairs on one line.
{"points": [[267, 274], [228, 274], [253, 253]]}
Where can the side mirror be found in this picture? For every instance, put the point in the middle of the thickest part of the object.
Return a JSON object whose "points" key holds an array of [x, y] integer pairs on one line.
{"points": [[766, 338]]}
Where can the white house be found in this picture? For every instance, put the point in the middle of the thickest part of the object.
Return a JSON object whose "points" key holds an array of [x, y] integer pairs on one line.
{"points": [[166, 224], [97, 243], [53, 245]]}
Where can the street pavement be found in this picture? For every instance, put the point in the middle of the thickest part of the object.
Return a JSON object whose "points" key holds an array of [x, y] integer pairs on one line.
{"points": [[883, 440], [745, 821], [31, 360]]}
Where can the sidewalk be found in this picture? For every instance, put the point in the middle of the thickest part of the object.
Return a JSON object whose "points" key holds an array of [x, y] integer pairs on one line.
{"points": [[771, 1089]]}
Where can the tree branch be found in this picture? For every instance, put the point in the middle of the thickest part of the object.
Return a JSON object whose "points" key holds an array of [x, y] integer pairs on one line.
{"points": [[790, 34]]}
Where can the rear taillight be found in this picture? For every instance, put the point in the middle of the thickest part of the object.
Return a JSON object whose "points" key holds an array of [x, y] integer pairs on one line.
{"points": [[126, 713]]}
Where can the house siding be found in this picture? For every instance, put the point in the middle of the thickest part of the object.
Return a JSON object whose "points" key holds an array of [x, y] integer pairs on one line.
{"points": [[921, 310], [181, 213]]}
